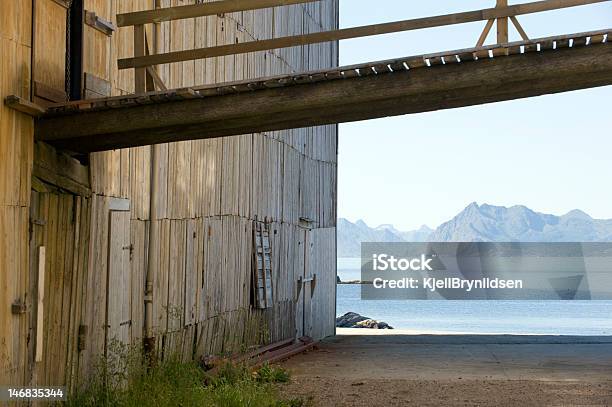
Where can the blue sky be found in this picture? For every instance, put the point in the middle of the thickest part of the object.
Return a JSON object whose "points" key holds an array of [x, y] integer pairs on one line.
{"points": [[552, 153]]}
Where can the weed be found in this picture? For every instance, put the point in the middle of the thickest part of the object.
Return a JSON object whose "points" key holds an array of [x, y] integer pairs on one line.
{"points": [[123, 379]]}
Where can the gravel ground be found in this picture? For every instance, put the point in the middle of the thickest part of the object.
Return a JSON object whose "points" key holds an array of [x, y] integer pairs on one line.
{"points": [[456, 370]]}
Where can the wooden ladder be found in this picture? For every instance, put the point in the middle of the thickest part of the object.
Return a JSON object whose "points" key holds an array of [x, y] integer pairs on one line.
{"points": [[262, 266]]}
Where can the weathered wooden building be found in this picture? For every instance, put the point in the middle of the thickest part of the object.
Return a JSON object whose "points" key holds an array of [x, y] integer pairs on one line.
{"points": [[79, 234]]}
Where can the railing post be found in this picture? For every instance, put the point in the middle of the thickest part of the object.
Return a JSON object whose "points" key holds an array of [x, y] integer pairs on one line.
{"points": [[140, 74], [502, 24]]}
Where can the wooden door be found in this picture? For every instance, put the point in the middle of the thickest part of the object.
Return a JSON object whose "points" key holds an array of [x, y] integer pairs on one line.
{"points": [[59, 243], [118, 309], [308, 283], [305, 284]]}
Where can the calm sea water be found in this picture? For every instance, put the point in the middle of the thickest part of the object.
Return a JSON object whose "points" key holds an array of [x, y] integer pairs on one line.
{"points": [[502, 317]]}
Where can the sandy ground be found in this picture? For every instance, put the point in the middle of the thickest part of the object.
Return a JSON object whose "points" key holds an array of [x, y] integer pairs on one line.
{"points": [[368, 368]]}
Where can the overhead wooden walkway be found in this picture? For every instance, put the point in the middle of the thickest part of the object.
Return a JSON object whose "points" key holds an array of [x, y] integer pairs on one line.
{"points": [[478, 75], [386, 88]]}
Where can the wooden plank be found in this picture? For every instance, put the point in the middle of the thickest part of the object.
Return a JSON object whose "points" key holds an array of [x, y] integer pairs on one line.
{"points": [[199, 10], [333, 101], [287, 352], [99, 86], [49, 93], [118, 204], [348, 33], [519, 28], [23, 106], [119, 282], [485, 33], [51, 161], [98, 23], [40, 304], [61, 181], [157, 80]]}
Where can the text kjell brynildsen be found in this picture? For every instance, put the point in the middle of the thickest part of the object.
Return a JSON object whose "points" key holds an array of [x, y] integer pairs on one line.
{"points": [[385, 262]]}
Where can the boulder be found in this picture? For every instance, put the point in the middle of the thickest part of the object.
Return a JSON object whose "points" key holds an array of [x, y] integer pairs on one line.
{"points": [[354, 320]]}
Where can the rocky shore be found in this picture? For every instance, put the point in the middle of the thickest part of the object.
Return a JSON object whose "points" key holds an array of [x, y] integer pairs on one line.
{"points": [[354, 320]]}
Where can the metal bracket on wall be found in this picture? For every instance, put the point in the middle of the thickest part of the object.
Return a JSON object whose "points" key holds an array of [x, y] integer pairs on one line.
{"points": [[105, 27]]}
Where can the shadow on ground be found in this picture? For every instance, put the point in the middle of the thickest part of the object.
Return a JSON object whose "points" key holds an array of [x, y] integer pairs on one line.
{"points": [[361, 369]]}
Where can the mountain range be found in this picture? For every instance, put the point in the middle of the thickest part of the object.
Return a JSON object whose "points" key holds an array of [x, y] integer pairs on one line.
{"points": [[482, 223]]}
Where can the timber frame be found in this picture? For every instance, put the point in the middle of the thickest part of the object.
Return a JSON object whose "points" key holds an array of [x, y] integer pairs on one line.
{"points": [[385, 88], [501, 12]]}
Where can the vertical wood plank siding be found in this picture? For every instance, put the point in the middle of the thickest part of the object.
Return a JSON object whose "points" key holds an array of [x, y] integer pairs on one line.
{"points": [[208, 194]]}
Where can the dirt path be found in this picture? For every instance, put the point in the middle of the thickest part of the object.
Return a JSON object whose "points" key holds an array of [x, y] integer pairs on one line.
{"points": [[467, 370]]}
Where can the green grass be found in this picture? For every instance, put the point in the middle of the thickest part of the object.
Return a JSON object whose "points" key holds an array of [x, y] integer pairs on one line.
{"points": [[123, 381]]}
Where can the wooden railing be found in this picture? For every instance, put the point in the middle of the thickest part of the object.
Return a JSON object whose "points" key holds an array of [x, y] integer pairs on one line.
{"points": [[502, 13]]}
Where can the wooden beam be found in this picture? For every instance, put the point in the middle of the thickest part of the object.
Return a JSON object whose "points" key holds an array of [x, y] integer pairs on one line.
{"points": [[485, 33], [348, 33], [157, 80], [334, 101], [199, 10], [61, 170], [23, 106], [519, 28], [96, 22]]}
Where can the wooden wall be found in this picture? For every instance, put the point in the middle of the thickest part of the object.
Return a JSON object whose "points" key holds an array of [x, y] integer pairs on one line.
{"points": [[207, 195], [210, 191], [16, 135]]}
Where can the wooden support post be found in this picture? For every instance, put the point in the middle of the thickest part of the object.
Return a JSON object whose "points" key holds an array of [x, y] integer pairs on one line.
{"points": [[154, 81], [155, 78], [140, 74], [502, 24]]}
